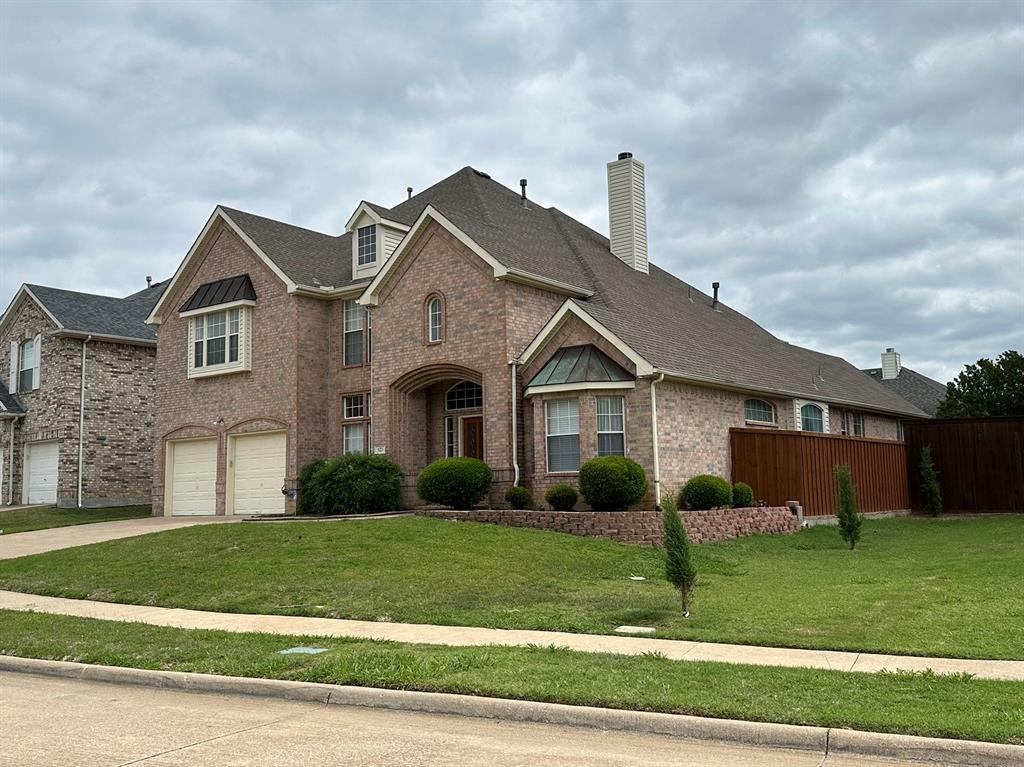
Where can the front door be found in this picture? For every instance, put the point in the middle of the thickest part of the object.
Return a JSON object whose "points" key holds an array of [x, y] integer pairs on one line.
{"points": [[473, 437]]}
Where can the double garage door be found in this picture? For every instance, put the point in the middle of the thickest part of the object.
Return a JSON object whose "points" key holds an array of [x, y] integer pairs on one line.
{"points": [[256, 470]]}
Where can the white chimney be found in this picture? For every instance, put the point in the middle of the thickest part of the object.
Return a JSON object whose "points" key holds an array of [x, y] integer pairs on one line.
{"points": [[627, 211], [890, 364]]}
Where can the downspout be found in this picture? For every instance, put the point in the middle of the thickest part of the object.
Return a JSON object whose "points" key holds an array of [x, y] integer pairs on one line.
{"points": [[81, 424], [515, 427], [10, 467], [654, 439]]}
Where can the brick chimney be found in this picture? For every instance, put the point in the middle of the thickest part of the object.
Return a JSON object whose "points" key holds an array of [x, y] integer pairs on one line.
{"points": [[627, 211], [890, 364]]}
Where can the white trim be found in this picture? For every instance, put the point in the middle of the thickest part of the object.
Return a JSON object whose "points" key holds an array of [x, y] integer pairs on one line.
{"points": [[329, 291], [126, 340], [643, 367], [217, 307], [365, 209], [582, 386], [24, 290], [556, 286], [458, 435]]}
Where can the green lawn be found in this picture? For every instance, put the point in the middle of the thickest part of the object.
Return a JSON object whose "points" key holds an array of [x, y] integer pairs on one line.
{"points": [[41, 518], [906, 703], [913, 586]]}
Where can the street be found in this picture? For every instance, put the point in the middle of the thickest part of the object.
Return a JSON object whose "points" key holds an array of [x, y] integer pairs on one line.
{"points": [[50, 721]]}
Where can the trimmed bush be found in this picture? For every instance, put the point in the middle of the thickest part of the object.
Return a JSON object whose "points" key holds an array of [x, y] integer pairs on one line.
{"points": [[561, 498], [457, 482], [352, 484], [679, 570], [930, 490], [308, 499], [519, 497], [705, 491], [848, 513], [742, 496], [612, 482]]}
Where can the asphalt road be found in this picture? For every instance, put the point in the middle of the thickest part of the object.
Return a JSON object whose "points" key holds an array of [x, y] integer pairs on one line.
{"points": [[50, 721]]}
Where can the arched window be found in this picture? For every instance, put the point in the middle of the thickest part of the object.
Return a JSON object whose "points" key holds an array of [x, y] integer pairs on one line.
{"points": [[812, 418], [435, 320], [760, 411], [465, 395]]}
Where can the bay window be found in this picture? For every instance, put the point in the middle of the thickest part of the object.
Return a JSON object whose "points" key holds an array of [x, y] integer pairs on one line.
{"points": [[219, 342]]}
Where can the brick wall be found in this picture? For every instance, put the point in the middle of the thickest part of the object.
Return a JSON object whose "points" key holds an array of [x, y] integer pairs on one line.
{"points": [[642, 527]]}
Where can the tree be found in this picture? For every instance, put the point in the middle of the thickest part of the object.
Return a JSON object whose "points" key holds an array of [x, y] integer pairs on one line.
{"points": [[986, 389], [849, 516], [930, 483], [679, 570]]}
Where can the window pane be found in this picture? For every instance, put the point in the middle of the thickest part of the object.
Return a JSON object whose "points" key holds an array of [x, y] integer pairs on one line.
{"points": [[609, 414], [759, 410], [353, 406], [611, 444], [233, 348], [25, 380], [233, 316], [449, 437], [369, 337], [353, 438], [353, 316], [216, 324], [465, 395], [564, 416], [811, 418], [200, 325], [354, 348], [197, 358], [858, 425], [367, 244], [564, 453], [215, 351], [435, 319]]}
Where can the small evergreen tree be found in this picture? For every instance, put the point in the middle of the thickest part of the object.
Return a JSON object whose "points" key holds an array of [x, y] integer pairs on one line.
{"points": [[849, 516], [930, 483], [679, 570]]}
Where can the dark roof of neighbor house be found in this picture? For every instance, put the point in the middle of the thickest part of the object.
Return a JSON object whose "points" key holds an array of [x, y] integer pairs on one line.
{"points": [[580, 364], [924, 392], [218, 292], [102, 315], [672, 325], [9, 403]]}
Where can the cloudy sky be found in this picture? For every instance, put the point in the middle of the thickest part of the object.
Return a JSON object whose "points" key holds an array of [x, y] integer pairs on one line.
{"points": [[853, 173]]}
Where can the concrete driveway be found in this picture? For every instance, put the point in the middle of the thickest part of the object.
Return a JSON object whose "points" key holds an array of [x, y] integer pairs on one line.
{"points": [[49, 721], [39, 541]]}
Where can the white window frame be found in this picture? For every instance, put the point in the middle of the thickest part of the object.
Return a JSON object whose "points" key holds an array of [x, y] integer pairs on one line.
{"points": [[435, 330], [350, 403], [354, 313], [859, 426], [451, 438], [448, 393], [821, 410], [548, 433], [366, 245], [746, 415], [30, 355], [621, 415], [353, 428], [237, 323]]}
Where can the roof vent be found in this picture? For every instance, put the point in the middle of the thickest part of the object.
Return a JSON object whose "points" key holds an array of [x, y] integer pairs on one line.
{"points": [[522, 193], [714, 302], [408, 191], [149, 281], [627, 211], [891, 364]]}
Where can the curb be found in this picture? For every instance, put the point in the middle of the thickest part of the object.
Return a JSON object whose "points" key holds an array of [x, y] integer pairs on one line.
{"points": [[826, 741]]}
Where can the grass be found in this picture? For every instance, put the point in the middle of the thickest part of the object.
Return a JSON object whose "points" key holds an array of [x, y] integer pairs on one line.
{"points": [[913, 586], [42, 518], [905, 703]]}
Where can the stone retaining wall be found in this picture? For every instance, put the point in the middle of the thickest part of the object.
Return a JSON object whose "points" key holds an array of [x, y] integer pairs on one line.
{"points": [[642, 527]]}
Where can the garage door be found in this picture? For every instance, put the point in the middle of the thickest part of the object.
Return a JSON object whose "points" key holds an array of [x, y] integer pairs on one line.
{"points": [[192, 482], [41, 472], [258, 472]]}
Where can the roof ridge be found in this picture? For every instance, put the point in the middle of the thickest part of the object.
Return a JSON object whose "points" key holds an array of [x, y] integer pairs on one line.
{"points": [[278, 221]]}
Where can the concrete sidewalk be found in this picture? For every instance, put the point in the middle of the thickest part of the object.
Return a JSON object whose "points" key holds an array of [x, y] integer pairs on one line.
{"points": [[51, 539], [675, 649]]}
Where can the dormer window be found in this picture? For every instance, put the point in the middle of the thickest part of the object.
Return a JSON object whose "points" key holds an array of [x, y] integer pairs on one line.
{"points": [[366, 245]]}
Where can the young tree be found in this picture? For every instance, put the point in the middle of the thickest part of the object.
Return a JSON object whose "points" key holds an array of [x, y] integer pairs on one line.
{"points": [[930, 483], [679, 570], [849, 516], [986, 389]]}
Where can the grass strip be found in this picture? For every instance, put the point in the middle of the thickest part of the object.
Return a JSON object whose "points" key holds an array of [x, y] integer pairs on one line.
{"points": [[24, 520], [910, 703]]}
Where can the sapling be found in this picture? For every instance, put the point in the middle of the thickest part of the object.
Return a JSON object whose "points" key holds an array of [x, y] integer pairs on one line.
{"points": [[930, 489], [679, 569], [849, 516]]}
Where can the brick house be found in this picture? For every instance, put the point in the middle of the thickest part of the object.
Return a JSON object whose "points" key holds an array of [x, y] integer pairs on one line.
{"points": [[466, 320], [918, 389], [76, 412]]}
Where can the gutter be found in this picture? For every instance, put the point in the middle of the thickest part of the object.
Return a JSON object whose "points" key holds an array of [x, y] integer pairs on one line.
{"points": [[515, 426], [81, 423], [10, 463], [654, 439]]}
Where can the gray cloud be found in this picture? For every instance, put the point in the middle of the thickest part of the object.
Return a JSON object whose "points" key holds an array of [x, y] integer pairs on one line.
{"points": [[852, 173]]}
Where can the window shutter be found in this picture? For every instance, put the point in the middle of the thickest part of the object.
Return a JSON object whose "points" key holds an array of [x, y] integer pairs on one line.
{"points": [[190, 352], [12, 382], [37, 357]]}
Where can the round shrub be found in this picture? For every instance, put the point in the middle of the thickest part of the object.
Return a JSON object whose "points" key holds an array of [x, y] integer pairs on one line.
{"points": [[742, 496], [519, 497], [457, 482], [308, 498], [561, 498], [353, 484], [612, 482], [706, 491]]}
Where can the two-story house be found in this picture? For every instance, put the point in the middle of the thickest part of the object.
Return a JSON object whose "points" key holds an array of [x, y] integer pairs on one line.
{"points": [[466, 320], [76, 411]]}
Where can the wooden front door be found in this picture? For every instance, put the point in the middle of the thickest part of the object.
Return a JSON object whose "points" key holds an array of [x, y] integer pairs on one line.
{"points": [[473, 437]]}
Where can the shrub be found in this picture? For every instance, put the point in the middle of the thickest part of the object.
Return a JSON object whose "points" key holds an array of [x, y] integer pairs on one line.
{"points": [[930, 489], [352, 484], [679, 570], [457, 482], [519, 497], [849, 516], [742, 496], [612, 482], [706, 491], [308, 500], [561, 498]]}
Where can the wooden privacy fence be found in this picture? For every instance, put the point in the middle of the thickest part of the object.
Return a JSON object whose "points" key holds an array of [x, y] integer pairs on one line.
{"points": [[798, 466], [980, 462]]}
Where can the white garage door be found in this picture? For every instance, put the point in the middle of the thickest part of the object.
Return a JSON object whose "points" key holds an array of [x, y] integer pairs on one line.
{"points": [[41, 472], [258, 474], [192, 481]]}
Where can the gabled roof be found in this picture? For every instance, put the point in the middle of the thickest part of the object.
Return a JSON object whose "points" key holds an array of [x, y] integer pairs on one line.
{"points": [[580, 364], [10, 405], [920, 390], [220, 292]]}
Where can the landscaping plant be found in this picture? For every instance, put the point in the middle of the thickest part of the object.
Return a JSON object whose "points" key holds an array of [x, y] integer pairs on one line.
{"points": [[457, 482], [679, 570], [930, 489], [307, 501], [706, 491], [742, 496], [561, 498], [353, 484], [612, 482], [849, 516], [519, 497]]}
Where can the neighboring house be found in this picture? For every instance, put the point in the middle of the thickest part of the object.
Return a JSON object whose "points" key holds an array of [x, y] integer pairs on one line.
{"points": [[467, 320], [82, 369], [920, 390]]}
